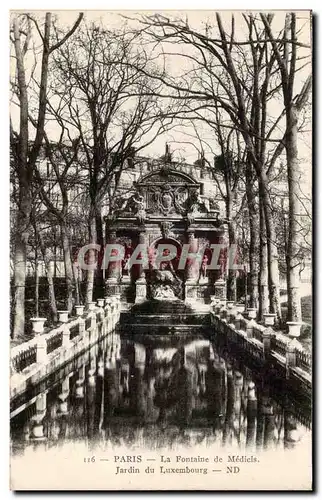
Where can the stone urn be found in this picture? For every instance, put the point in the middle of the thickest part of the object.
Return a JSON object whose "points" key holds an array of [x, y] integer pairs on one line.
{"points": [[38, 325], [294, 328], [100, 302], [269, 319], [240, 308], [62, 316], [91, 306], [252, 312], [79, 310]]}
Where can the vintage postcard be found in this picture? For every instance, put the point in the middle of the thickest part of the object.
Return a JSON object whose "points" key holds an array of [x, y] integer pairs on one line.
{"points": [[160, 250]]}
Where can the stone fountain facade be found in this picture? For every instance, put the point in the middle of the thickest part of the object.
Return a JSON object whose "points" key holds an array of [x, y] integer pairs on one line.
{"points": [[165, 207]]}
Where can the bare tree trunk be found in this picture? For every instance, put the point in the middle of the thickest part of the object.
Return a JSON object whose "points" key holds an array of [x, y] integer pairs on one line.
{"points": [[49, 275], [68, 267], [253, 238], [19, 283], [91, 259], [263, 269], [272, 253], [287, 58], [76, 281], [26, 159], [231, 279], [100, 241], [294, 228], [36, 281], [24, 207]]}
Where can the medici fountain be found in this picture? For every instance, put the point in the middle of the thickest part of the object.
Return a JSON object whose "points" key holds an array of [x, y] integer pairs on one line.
{"points": [[166, 211], [161, 359]]}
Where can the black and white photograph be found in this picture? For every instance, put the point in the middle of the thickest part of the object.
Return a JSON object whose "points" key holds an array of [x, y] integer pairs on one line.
{"points": [[161, 250]]}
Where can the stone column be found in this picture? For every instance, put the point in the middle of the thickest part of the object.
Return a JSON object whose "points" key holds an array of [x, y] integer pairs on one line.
{"points": [[219, 275], [191, 270], [113, 271], [140, 285], [191, 274]]}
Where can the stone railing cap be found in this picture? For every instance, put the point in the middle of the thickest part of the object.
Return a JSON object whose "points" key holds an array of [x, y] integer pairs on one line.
{"points": [[260, 327]]}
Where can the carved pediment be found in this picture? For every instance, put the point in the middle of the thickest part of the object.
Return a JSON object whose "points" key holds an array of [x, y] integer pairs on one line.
{"points": [[167, 176], [165, 192]]}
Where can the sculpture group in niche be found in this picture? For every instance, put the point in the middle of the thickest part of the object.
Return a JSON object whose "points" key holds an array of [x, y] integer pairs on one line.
{"points": [[134, 205], [164, 292], [163, 280]]}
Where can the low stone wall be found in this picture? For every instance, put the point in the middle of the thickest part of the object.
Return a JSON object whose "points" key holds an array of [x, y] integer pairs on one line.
{"points": [[262, 342], [35, 360]]}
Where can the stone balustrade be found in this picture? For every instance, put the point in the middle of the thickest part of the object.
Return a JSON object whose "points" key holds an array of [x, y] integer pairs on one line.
{"points": [[48, 349], [260, 340]]}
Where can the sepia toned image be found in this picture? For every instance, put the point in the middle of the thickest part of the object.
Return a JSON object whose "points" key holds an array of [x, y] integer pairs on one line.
{"points": [[161, 250]]}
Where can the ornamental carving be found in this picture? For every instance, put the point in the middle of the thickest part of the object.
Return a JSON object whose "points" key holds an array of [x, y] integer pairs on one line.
{"points": [[166, 229], [165, 284], [165, 192]]}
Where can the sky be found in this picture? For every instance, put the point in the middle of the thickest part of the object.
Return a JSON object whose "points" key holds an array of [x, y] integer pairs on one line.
{"points": [[179, 138]]}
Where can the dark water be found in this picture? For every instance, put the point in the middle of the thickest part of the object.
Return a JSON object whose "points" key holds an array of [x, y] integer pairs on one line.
{"points": [[162, 392]]}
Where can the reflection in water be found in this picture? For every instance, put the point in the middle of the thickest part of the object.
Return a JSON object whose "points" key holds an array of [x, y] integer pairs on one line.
{"points": [[127, 393]]}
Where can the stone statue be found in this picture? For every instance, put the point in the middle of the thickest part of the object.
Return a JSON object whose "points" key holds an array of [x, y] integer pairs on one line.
{"points": [[198, 205], [164, 282], [127, 255], [137, 205], [164, 292], [203, 268], [213, 205]]}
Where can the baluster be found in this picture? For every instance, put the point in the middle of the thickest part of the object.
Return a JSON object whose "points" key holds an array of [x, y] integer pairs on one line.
{"points": [[37, 431], [251, 416], [269, 432], [291, 434], [63, 396]]}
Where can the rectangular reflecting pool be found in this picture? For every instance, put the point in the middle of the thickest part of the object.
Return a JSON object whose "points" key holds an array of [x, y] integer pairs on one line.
{"points": [[161, 392]]}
